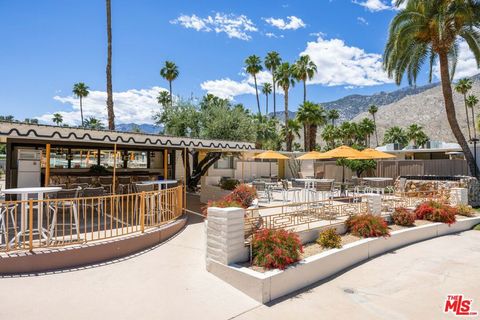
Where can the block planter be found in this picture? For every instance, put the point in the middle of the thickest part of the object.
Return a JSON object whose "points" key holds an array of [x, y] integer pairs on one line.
{"points": [[265, 287]]}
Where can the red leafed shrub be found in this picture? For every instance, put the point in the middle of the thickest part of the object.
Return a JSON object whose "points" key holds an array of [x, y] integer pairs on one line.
{"points": [[436, 212], [223, 203], [403, 217], [275, 249], [243, 194], [367, 225]]}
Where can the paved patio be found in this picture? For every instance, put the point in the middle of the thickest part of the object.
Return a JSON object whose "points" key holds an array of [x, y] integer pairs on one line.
{"points": [[170, 282]]}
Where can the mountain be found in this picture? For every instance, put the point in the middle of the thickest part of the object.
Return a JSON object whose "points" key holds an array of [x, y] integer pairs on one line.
{"points": [[426, 109], [144, 127], [351, 105]]}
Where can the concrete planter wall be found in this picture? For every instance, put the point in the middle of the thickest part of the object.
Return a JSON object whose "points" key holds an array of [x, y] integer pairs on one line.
{"points": [[265, 287]]}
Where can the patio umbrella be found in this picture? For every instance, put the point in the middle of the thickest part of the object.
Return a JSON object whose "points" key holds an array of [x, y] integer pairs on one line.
{"points": [[312, 155], [342, 152], [372, 154], [271, 155]]}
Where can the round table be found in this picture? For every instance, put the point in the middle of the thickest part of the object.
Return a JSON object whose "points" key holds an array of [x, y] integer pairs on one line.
{"points": [[24, 193], [160, 182]]}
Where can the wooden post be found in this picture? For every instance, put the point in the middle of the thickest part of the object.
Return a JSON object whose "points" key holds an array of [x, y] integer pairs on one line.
{"points": [[47, 165], [30, 224], [165, 164], [114, 167], [142, 212], [185, 179]]}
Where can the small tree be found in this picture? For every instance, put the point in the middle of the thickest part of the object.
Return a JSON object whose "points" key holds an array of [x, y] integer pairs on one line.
{"points": [[57, 118]]}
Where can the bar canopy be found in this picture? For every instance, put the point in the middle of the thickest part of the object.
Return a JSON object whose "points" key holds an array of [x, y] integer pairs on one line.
{"points": [[58, 134]]}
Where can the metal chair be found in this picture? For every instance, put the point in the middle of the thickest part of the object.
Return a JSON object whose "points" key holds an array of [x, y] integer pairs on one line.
{"points": [[6, 209], [262, 190], [64, 201], [88, 200], [106, 183], [87, 180], [79, 185], [124, 184], [149, 201]]}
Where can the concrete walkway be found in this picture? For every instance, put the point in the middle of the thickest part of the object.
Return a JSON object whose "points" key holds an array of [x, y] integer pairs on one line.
{"points": [[170, 282]]}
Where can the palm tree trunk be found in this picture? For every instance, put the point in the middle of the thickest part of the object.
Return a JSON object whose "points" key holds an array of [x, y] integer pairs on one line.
{"points": [[306, 139], [304, 91], [473, 124], [466, 112], [170, 88], [266, 105], [451, 116], [81, 111], [289, 143], [111, 114], [376, 134], [274, 98], [256, 93], [313, 136]]}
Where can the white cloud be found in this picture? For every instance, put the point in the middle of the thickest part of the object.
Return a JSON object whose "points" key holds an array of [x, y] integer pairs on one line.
{"points": [[362, 20], [227, 88], [273, 35], [234, 26], [292, 23], [340, 64], [133, 105], [373, 5], [466, 65], [262, 77]]}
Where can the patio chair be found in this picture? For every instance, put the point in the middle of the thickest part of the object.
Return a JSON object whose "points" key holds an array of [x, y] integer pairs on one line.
{"points": [[149, 201], [295, 191], [6, 209], [89, 201], [87, 180], [79, 186], [106, 183], [124, 184], [142, 178], [66, 202], [262, 190], [324, 190]]}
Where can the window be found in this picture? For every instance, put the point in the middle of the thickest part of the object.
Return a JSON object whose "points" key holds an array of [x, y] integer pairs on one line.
{"points": [[107, 159], [58, 158], [83, 158], [224, 163], [137, 159]]}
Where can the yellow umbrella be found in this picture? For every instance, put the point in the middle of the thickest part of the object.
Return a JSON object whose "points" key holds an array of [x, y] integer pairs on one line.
{"points": [[342, 152], [312, 155], [372, 154], [271, 155]]}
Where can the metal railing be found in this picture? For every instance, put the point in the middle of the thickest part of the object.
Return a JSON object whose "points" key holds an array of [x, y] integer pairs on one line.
{"points": [[304, 215], [412, 199], [27, 225]]}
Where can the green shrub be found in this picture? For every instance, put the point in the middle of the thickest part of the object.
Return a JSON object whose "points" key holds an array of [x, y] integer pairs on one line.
{"points": [[223, 203], [275, 249], [229, 184], [403, 217], [367, 225], [329, 239], [477, 227], [465, 210]]}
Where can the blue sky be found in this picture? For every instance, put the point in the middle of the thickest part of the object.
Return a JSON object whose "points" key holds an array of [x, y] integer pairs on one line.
{"points": [[49, 45]]}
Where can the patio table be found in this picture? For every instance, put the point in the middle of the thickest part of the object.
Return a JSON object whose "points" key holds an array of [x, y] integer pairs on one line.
{"points": [[160, 183], [24, 193], [310, 182], [378, 179]]}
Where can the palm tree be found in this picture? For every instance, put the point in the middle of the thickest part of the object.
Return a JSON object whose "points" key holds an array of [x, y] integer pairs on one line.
{"points": [[169, 72], [472, 101], [272, 61], [57, 118], [333, 115], [80, 90], [425, 30], [285, 80], [366, 128], [266, 90], [415, 133], [330, 134], [289, 131], [311, 115], [93, 123], [110, 112], [462, 87], [348, 132], [373, 109], [164, 98], [253, 65], [304, 69], [396, 135]]}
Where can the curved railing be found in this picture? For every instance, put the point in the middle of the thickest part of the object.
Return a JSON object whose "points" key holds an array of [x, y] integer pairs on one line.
{"points": [[27, 225]]}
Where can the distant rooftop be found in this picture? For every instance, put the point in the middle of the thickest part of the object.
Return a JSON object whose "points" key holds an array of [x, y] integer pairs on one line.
{"points": [[431, 146]]}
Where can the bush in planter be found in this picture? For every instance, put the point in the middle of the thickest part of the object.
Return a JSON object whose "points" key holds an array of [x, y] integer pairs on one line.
{"points": [[98, 169], [367, 225], [465, 210], [229, 184], [329, 239], [243, 194], [436, 212], [403, 217], [223, 203], [275, 249]]}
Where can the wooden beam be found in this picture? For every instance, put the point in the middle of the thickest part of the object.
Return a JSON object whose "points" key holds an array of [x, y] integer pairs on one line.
{"points": [[114, 167], [47, 165], [165, 164]]}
